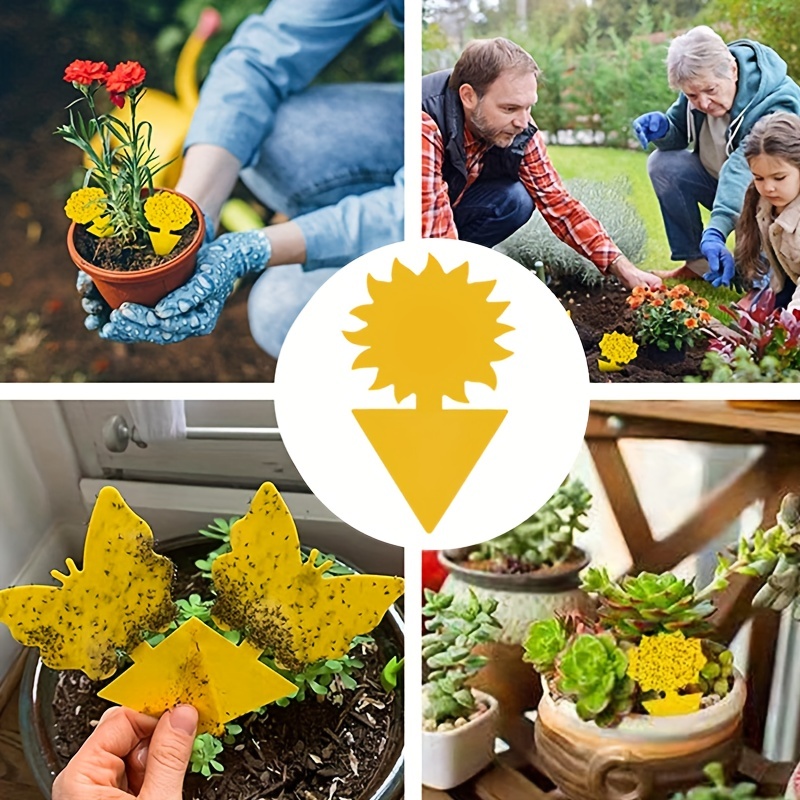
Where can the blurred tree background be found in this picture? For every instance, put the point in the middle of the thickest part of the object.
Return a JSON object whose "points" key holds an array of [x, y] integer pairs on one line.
{"points": [[602, 60]]}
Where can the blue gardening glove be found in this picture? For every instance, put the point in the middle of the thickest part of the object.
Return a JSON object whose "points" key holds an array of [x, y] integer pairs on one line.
{"points": [[650, 126], [720, 260], [194, 308]]}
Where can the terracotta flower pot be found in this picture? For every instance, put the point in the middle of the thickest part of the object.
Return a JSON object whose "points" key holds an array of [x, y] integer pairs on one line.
{"points": [[521, 599], [451, 757], [644, 757], [147, 286]]}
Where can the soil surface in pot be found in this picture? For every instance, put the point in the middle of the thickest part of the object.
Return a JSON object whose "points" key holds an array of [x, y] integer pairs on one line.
{"points": [[42, 332], [596, 310], [305, 751], [108, 252], [512, 566]]}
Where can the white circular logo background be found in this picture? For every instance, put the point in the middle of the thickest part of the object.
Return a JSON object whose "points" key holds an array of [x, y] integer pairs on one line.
{"points": [[543, 387]]}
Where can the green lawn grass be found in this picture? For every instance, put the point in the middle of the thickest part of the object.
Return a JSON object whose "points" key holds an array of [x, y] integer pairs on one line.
{"points": [[605, 164]]}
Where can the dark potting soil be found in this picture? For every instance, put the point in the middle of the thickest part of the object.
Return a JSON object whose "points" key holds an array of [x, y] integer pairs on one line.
{"points": [[512, 566], [108, 252], [596, 310], [306, 751]]}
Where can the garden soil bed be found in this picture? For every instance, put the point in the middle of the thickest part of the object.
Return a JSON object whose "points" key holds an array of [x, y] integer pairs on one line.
{"points": [[596, 310], [305, 751], [42, 333]]}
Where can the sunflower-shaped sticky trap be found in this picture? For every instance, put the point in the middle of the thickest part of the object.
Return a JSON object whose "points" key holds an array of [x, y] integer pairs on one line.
{"points": [[167, 213], [286, 606], [666, 663], [88, 205], [616, 349]]}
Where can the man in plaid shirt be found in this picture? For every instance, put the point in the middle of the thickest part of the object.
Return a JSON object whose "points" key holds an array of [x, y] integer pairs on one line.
{"points": [[485, 166]]}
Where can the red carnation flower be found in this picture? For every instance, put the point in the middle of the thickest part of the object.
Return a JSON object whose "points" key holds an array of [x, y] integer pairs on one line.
{"points": [[126, 76], [86, 72]]}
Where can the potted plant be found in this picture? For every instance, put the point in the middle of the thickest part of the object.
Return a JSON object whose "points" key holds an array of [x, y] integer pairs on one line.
{"points": [[338, 722], [532, 572], [638, 698], [135, 242], [458, 728], [719, 790]]}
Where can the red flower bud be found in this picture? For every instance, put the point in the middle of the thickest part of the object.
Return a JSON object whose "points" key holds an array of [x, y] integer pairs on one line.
{"points": [[126, 76], [117, 99], [86, 72]]}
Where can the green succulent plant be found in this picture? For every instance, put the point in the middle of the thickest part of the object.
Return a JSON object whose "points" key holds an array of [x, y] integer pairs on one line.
{"points": [[592, 673], [546, 639], [456, 626], [719, 790], [648, 604], [546, 537]]}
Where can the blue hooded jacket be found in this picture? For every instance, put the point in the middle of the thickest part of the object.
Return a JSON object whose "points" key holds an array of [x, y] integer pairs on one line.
{"points": [[763, 87]]}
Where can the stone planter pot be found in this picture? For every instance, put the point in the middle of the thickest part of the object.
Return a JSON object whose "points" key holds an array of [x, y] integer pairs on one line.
{"points": [[37, 689], [451, 757], [644, 757], [521, 600]]}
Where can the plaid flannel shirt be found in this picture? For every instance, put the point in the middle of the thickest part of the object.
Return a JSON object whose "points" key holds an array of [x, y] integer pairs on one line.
{"points": [[566, 216]]}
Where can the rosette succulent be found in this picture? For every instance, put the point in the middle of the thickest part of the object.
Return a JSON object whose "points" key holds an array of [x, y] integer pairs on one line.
{"points": [[648, 604], [456, 627], [592, 672], [546, 639], [545, 538]]}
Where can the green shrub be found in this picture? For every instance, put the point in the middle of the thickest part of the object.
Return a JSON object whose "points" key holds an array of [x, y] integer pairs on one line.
{"points": [[608, 202]]}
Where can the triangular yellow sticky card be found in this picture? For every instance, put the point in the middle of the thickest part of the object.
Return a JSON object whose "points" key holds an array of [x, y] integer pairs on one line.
{"points": [[673, 704], [289, 608], [196, 665], [430, 452], [122, 590]]}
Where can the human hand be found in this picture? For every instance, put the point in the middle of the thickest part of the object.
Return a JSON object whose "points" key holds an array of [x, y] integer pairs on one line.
{"points": [[650, 126], [631, 276], [720, 260], [131, 755], [194, 308]]}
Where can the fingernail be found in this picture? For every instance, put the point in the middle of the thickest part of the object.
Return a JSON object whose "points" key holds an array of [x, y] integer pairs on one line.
{"points": [[141, 755], [183, 718]]}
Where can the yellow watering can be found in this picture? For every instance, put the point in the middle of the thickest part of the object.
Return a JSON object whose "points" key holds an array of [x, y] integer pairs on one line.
{"points": [[170, 116]]}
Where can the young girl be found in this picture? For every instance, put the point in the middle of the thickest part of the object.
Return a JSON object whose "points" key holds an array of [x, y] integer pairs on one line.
{"points": [[768, 230]]}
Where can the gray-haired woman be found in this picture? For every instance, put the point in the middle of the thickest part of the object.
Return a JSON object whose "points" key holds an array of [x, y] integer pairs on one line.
{"points": [[724, 90]]}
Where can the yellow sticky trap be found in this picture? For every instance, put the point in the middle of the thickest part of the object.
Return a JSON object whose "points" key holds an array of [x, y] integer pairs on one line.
{"points": [[617, 349], [607, 366], [102, 227], [196, 665], [288, 608], [122, 590], [666, 663], [674, 704], [163, 243], [166, 212]]}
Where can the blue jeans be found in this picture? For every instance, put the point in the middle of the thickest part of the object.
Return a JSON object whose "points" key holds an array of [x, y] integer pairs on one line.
{"points": [[682, 185], [491, 210], [329, 143]]}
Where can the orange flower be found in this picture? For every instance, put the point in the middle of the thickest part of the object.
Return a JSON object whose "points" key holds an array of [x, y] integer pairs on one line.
{"points": [[691, 322], [683, 290], [678, 305], [657, 302], [705, 317], [674, 293], [701, 302], [635, 302], [638, 291]]}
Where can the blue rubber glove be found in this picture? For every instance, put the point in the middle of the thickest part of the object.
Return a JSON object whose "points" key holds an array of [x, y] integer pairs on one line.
{"points": [[194, 308], [720, 260], [650, 126]]}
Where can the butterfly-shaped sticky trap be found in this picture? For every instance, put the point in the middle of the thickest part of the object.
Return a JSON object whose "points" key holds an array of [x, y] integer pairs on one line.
{"points": [[122, 590], [286, 607]]}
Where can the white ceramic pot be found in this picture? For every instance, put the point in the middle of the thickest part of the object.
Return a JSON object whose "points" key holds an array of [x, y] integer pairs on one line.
{"points": [[643, 757], [451, 757]]}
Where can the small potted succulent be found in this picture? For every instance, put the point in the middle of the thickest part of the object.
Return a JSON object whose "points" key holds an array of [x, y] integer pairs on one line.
{"points": [[719, 789], [532, 572], [458, 728], [135, 242], [638, 698], [283, 651]]}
